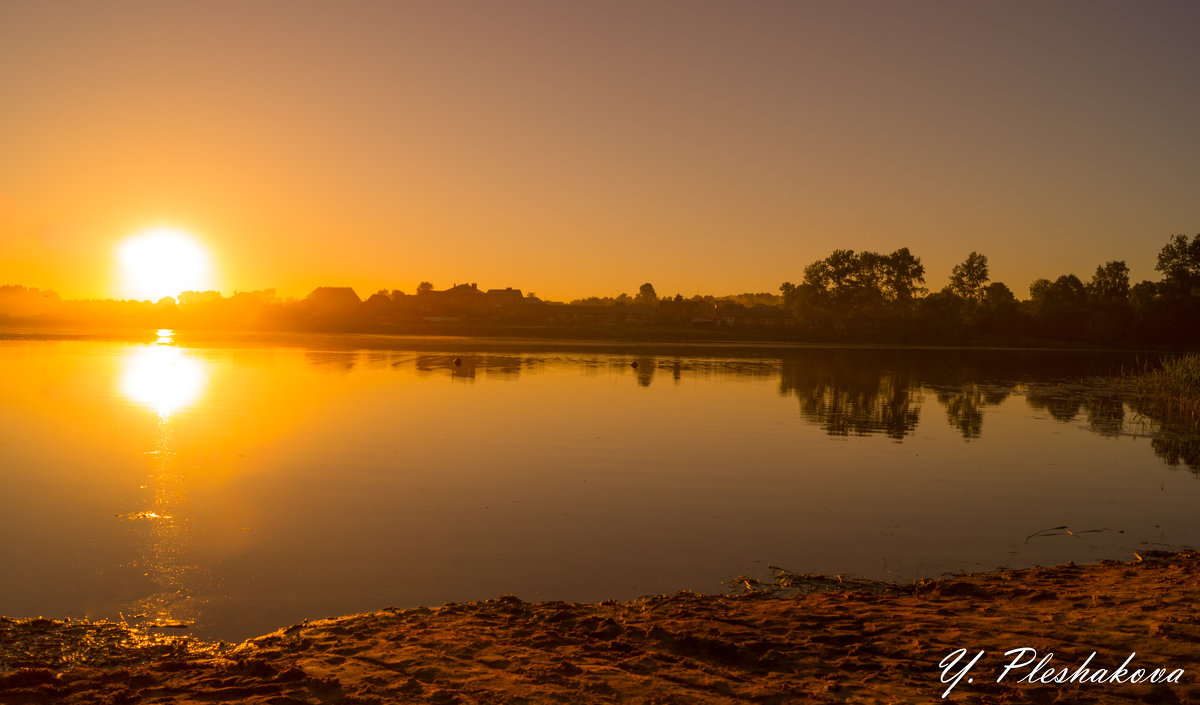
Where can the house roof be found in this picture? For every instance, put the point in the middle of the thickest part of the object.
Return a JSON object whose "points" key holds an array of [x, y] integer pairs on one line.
{"points": [[331, 294]]}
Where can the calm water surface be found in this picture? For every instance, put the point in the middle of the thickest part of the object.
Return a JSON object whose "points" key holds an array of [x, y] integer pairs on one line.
{"points": [[240, 488]]}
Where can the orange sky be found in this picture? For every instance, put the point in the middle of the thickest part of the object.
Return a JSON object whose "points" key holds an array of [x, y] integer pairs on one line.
{"points": [[584, 148]]}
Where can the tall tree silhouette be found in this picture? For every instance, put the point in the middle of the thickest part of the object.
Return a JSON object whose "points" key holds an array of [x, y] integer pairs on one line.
{"points": [[1179, 261], [646, 295], [968, 279]]}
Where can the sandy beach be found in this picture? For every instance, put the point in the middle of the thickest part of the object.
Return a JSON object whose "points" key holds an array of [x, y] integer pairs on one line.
{"points": [[818, 640]]}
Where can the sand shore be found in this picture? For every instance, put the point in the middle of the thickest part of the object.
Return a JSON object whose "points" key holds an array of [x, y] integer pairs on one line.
{"points": [[827, 642]]}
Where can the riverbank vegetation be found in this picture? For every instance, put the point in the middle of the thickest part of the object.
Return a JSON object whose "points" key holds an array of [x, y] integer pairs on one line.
{"points": [[847, 297], [1173, 391]]}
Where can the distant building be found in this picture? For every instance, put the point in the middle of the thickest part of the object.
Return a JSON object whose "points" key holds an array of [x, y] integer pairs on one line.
{"points": [[333, 304], [507, 299], [759, 316], [461, 300], [333, 296]]}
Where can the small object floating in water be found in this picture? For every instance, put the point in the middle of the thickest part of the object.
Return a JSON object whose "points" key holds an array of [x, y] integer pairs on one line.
{"points": [[633, 364], [458, 362]]}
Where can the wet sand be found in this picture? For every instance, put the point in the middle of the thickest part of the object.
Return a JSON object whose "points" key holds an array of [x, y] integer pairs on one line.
{"points": [[819, 640]]}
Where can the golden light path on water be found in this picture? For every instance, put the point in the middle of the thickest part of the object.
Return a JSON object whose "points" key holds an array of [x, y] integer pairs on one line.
{"points": [[164, 379]]}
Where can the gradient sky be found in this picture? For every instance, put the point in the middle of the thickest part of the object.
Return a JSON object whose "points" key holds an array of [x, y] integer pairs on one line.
{"points": [[578, 148]]}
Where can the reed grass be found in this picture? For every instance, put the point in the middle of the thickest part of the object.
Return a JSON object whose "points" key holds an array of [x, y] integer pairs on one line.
{"points": [[1173, 390]]}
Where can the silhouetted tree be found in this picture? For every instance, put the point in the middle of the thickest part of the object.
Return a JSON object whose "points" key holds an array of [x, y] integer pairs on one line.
{"points": [[1110, 283], [646, 295], [834, 274], [1108, 294], [1060, 306], [968, 279], [903, 276], [853, 294], [998, 295], [424, 287], [1179, 261], [999, 312], [1141, 297]]}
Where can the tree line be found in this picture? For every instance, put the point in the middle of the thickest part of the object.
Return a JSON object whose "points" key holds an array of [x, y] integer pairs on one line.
{"points": [[848, 296], [868, 296]]}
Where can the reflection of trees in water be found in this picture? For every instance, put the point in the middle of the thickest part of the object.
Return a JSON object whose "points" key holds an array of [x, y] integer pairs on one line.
{"points": [[856, 391], [645, 367], [1104, 409], [339, 361], [964, 405], [467, 366], [645, 371], [1106, 414], [1176, 451], [853, 400], [380, 359], [866, 391], [506, 367], [1176, 442]]}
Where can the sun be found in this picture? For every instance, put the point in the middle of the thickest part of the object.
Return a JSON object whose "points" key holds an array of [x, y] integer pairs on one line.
{"points": [[163, 262]]}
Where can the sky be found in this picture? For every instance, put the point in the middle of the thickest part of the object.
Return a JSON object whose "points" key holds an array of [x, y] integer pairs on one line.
{"points": [[583, 148]]}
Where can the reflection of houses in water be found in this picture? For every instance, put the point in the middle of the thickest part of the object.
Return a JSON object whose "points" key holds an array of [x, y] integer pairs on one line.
{"points": [[468, 366], [464, 369], [644, 367], [341, 361]]}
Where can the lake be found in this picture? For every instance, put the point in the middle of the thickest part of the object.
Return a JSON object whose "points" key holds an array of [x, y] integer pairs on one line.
{"points": [[245, 484]]}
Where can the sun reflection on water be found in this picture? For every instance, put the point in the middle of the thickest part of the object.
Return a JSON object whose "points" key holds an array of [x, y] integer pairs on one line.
{"points": [[163, 377]]}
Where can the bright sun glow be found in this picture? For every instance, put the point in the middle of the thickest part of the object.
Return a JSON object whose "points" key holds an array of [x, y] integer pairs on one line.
{"points": [[163, 378], [163, 262]]}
